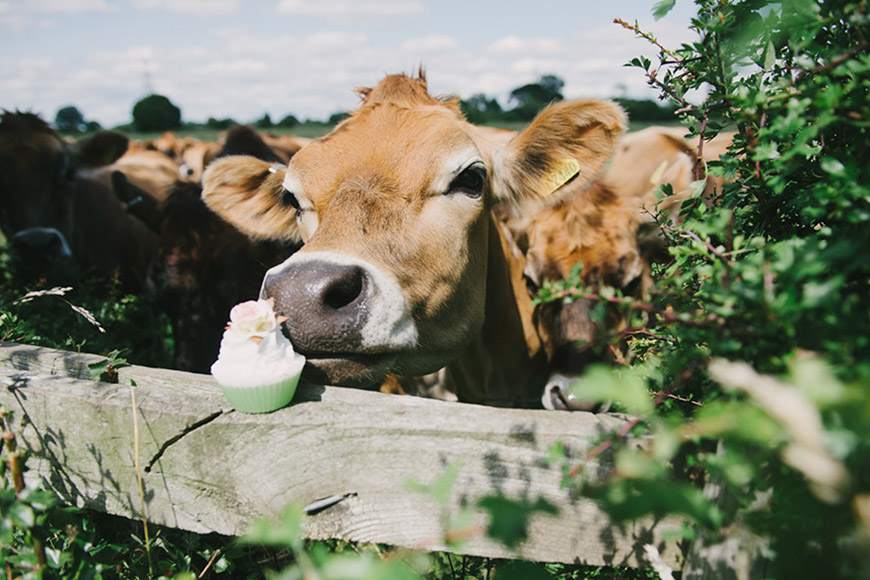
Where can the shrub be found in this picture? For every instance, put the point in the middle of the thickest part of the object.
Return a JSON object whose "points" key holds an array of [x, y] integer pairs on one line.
{"points": [[755, 371]]}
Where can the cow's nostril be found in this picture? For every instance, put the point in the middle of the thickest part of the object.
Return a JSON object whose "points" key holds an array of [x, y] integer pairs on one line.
{"points": [[344, 289]]}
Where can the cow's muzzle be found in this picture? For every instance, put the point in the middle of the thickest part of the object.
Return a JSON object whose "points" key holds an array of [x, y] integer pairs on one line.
{"points": [[348, 318]]}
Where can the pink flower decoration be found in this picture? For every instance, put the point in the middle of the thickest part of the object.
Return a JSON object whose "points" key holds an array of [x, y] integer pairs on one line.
{"points": [[254, 318]]}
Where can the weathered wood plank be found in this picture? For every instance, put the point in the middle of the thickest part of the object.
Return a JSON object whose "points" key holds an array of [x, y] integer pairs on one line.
{"points": [[208, 468]]}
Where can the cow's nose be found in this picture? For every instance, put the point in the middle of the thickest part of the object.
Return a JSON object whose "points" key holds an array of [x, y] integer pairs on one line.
{"points": [[342, 288], [47, 242], [325, 305]]}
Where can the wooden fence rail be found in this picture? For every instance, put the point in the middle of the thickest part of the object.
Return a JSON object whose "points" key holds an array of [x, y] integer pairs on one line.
{"points": [[207, 468]]}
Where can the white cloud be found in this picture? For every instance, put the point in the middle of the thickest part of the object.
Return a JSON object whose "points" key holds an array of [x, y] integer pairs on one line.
{"points": [[433, 42], [10, 19], [21, 17], [190, 6], [513, 45], [237, 69], [69, 6], [133, 53], [347, 10]]}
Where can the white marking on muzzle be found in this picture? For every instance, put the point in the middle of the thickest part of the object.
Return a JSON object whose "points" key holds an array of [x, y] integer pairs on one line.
{"points": [[389, 324]]}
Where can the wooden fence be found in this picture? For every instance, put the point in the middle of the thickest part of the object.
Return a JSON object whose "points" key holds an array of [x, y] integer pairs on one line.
{"points": [[207, 468]]}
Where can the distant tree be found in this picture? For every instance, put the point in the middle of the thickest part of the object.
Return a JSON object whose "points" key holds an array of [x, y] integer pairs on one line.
{"points": [[553, 85], [92, 126], [336, 118], [264, 122], [533, 97], [69, 120], [156, 113], [213, 123], [479, 108], [288, 121]]}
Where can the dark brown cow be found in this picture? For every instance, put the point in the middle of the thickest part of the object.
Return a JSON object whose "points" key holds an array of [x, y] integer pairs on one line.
{"points": [[204, 265], [42, 193], [404, 269]]}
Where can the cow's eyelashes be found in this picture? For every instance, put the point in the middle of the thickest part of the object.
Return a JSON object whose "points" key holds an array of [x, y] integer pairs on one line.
{"points": [[288, 199], [471, 181]]}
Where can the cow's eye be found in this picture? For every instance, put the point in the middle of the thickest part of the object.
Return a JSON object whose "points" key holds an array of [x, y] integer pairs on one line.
{"points": [[288, 199], [470, 182]]}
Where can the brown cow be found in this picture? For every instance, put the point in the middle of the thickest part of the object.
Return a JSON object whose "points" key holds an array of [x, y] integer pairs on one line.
{"points": [[404, 269], [196, 158], [610, 230], [285, 145], [43, 193], [595, 228]]}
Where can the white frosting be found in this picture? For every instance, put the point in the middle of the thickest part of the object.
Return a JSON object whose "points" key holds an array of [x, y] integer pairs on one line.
{"points": [[244, 361]]}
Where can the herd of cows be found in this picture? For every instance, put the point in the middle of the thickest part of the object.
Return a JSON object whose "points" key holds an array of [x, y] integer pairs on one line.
{"points": [[405, 247]]}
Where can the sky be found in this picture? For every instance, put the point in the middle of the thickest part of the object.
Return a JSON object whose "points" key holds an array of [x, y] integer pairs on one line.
{"points": [[241, 59]]}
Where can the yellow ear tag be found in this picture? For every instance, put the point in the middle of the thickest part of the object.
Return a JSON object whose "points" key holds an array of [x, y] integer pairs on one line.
{"points": [[567, 169]]}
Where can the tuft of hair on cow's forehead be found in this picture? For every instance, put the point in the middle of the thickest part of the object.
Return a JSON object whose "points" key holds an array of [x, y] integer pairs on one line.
{"points": [[404, 91]]}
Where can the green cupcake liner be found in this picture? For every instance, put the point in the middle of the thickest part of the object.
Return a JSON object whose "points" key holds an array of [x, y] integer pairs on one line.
{"points": [[263, 398]]}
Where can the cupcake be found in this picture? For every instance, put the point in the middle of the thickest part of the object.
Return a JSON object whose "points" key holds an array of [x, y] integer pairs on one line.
{"points": [[257, 367]]}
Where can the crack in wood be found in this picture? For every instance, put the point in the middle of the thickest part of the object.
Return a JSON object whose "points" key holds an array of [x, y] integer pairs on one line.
{"points": [[173, 440]]}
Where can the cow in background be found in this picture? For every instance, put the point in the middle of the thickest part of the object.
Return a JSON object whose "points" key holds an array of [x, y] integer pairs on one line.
{"points": [[404, 268], [285, 146], [612, 230], [204, 265], [48, 203]]}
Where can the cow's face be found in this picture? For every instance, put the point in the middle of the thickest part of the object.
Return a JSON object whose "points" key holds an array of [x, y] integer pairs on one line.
{"points": [[393, 207], [35, 170], [597, 230], [38, 170]]}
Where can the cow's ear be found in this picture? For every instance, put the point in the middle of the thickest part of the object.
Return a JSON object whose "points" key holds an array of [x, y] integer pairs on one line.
{"points": [[247, 192], [101, 149], [559, 153]]}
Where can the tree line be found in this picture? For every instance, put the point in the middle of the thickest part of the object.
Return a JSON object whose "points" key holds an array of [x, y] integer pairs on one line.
{"points": [[154, 112]]}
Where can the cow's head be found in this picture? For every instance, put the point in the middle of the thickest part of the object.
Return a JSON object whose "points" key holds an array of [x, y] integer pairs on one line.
{"points": [[598, 231], [37, 168], [38, 186], [394, 209]]}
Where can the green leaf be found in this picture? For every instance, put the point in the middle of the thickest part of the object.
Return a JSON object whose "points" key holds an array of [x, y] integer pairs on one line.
{"points": [[22, 515], [600, 384], [635, 464], [439, 489], [833, 167], [509, 519], [287, 532], [96, 369], [769, 55], [662, 7], [628, 499]]}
